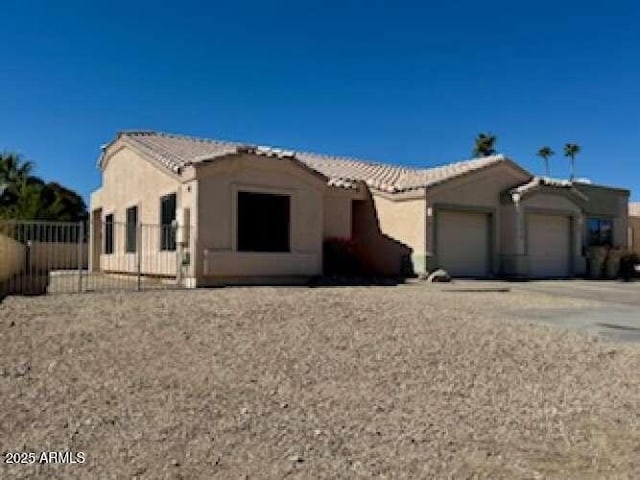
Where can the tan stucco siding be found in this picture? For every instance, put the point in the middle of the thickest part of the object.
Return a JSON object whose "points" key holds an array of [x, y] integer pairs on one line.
{"points": [[95, 200], [481, 189], [609, 203], [129, 180], [551, 202], [404, 222], [634, 234], [218, 185], [383, 251], [508, 230], [337, 216], [621, 224], [602, 200]]}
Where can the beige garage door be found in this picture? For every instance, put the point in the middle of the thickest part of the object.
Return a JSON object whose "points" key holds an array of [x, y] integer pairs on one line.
{"points": [[549, 246], [463, 243]]}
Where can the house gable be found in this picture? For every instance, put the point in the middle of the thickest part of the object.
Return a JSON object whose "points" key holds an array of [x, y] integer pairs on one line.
{"points": [[481, 187], [222, 179], [260, 169], [540, 189], [129, 178]]}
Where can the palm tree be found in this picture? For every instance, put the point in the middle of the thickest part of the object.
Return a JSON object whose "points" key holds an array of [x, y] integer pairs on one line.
{"points": [[570, 151], [27, 197], [13, 170], [484, 145], [545, 153]]}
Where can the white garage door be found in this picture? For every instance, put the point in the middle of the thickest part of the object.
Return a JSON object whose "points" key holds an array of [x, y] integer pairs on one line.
{"points": [[463, 243], [549, 246]]}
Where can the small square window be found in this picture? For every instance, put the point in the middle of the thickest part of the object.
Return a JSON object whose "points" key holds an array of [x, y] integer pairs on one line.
{"points": [[599, 232]]}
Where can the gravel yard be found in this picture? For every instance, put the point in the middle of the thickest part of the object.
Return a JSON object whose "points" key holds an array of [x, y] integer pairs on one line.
{"points": [[387, 382]]}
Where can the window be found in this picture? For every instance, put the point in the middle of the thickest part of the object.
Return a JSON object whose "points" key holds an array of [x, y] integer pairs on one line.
{"points": [[599, 232], [167, 219], [108, 234], [132, 229], [263, 222]]}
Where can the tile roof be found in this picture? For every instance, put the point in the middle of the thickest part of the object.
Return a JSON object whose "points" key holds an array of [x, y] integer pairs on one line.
{"points": [[634, 209], [178, 151], [537, 182]]}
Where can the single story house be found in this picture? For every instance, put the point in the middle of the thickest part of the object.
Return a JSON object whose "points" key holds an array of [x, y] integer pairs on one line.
{"points": [[634, 227], [236, 213]]}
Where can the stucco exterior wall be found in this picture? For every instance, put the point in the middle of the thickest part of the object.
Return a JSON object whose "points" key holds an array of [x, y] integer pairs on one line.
{"points": [[403, 221], [129, 180], [550, 202], [621, 223], [217, 255], [508, 230], [608, 203], [481, 192], [391, 227], [337, 215], [634, 234]]}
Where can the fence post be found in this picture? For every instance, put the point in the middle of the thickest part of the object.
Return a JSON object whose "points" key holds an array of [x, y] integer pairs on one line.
{"points": [[179, 252], [80, 254], [26, 280], [139, 256]]}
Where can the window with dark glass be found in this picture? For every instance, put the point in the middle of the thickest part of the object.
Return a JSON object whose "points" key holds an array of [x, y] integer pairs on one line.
{"points": [[599, 232], [167, 222], [108, 234], [132, 229], [263, 222]]}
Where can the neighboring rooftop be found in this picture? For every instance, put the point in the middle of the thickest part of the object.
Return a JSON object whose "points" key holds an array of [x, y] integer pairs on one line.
{"points": [[634, 209], [176, 152]]}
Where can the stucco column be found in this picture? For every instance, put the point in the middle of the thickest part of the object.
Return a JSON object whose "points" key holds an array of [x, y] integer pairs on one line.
{"points": [[430, 239], [579, 262], [519, 225], [521, 259], [94, 243]]}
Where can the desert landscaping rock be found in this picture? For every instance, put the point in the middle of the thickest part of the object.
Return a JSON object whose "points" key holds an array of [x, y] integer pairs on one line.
{"points": [[367, 382], [439, 276], [22, 369]]}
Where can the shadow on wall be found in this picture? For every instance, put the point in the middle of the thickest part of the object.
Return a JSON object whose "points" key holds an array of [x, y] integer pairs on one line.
{"points": [[383, 255]]}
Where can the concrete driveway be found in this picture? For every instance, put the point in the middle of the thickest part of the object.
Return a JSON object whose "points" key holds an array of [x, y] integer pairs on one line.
{"points": [[612, 310]]}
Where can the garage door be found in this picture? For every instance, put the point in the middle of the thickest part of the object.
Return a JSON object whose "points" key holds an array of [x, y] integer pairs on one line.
{"points": [[549, 246], [463, 243]]}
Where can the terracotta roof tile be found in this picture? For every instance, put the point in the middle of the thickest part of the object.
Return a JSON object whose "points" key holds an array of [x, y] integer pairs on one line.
{"points": [[178, 151]]}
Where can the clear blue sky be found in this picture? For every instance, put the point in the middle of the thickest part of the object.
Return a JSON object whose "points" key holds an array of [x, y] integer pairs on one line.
{"points": [[400, 82]]}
